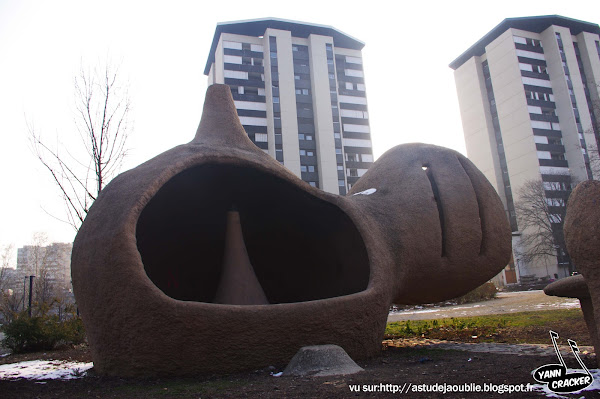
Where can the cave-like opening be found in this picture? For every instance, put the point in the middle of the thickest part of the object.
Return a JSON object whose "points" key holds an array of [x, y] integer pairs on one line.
{"points": [[302, 248]]}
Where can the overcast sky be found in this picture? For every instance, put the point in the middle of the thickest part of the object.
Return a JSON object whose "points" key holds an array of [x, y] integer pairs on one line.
{"points": [[162, 49]]}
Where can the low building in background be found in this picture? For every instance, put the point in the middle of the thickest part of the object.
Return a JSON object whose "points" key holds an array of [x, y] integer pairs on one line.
{"points": [[51, 267]]}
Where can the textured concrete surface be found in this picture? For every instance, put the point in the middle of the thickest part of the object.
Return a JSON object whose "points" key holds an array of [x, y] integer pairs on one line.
{"points": [[147, 260], [582, 236], [576, 287], [321, 361]]}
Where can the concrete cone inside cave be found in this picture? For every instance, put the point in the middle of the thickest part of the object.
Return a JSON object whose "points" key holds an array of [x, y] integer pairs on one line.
{"points": [[238, 284]]}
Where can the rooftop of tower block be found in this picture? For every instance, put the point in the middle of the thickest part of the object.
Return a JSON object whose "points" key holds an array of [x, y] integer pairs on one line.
{"points": [[532, 24], [257, 27]]}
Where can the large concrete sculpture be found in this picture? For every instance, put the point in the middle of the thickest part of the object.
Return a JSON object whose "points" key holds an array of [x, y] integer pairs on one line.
{"points": [[582, 236], [156, 263]]}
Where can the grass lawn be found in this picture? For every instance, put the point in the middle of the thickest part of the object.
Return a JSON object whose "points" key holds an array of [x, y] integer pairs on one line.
{"points": [[522, 327]]}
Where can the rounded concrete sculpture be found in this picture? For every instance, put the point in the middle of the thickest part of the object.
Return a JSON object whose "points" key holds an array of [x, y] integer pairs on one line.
{"points": [[156, 263], [576, 287], [582, 236]]}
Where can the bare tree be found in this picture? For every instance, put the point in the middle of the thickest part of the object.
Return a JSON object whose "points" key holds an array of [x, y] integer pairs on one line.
{"points": [[6, 255], [102, 121], [594, 130], [541, 217]]}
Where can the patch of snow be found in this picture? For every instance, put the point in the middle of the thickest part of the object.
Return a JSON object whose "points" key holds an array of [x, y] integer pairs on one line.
{"points": [[543, 388], [44, 370], [417, 311], [277, 374], [366, 192], [567, 305]]}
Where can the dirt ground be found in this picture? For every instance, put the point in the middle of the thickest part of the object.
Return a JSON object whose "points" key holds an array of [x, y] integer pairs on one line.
{"points": [[395, 366]]}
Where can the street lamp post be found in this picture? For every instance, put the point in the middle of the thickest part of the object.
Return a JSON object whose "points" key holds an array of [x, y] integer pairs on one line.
{"points": [[30, 292]]}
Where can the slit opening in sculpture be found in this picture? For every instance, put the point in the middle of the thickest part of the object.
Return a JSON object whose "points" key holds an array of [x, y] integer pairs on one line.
{"points": [[436, 196], [300, 247], [482, 220]]}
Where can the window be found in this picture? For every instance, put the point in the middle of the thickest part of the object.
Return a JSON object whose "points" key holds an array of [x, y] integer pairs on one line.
{"points": [[331, 76], [297, 77], [351, 157], [341, 183], [309, 137], [302, 152], [260, 137], [276, 100], [232, 45], [235, 74], [554, 141], [337, 135], [273, 54], [305, 92], [367, 157], [300, 136], [533, 42], [338, 150], [303, 168], [340, 167], [353, 72], [294, 48], [310, 154], [352, 172], [349, 86], [312, 183], [557, 157], [353, 60], [311, 168]]}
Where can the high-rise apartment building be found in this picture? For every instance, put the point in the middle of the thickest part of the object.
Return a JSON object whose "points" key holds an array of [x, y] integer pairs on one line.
{"points": [[300, 94], [530, 105]]}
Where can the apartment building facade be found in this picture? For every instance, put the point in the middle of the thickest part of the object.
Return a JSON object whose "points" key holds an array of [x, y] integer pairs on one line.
{"points": [[52, 262], [300, 94], [529, 100]]}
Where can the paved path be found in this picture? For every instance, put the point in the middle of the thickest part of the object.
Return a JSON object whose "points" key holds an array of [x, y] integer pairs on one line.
{"points": [[486, 347], [506, 302]]}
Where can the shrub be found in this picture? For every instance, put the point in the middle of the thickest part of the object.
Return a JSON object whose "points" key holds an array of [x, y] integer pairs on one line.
{"points": [[29, 334], [486, 291]]}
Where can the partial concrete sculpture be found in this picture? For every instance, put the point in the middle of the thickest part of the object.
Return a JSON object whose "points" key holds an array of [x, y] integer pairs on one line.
{"points": [[582, 236], [156, 263], [576, 287]]}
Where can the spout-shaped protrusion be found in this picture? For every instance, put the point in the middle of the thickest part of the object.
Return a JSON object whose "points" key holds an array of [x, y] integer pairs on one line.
{"points": [[220, 124], [238, 284]]}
